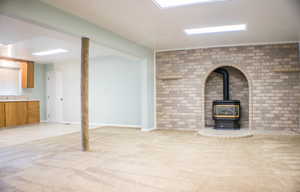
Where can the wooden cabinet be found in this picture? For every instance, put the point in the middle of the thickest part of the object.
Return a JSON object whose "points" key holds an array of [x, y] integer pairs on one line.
{"points": [[33, 113], [19, 113], [27, 69], [15, 113], [2, 115]]}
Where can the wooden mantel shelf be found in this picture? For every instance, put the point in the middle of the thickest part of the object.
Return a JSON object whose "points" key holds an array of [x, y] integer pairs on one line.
{"points": [[173, 77], [288, 70]]}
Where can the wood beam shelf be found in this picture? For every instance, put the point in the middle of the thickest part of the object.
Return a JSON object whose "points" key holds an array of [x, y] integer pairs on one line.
{"points": [[288, 70], [173, 77]]}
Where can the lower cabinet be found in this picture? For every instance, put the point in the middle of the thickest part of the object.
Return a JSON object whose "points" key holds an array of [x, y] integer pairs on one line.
{"points": [[33, 113], [15, 113], [2, 115], [19, 113]]}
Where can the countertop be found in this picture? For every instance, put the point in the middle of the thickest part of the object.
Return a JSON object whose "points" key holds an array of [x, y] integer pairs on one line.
{"points": [[17, 100]]}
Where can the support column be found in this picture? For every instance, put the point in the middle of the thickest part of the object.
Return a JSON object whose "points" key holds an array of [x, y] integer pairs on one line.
{"points": [[85, 94]]}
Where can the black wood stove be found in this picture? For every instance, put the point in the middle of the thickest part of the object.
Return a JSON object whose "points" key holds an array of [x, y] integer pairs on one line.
{"points": [[226, 112]]}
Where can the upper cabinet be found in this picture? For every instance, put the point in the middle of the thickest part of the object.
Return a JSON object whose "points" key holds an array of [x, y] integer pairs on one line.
{"points": [[27, 69]]}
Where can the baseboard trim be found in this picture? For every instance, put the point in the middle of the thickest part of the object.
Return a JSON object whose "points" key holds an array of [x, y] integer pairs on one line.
{"points": [[148, 130], [115, 125], [180, 129], [101, 124], [70, 122]]}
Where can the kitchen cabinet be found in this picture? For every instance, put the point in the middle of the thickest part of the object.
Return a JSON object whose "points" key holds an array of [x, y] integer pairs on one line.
{"points": [[27, 70], [15, 113], [2, 115], [33, 112]]}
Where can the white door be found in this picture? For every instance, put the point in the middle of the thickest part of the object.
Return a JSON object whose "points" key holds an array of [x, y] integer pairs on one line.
{"points": [[54, 97]]}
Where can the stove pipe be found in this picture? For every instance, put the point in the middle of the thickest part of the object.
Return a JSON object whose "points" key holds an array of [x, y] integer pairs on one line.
{"points": [[225, 74]]}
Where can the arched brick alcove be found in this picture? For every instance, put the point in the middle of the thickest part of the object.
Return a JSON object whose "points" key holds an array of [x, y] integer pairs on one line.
{"points": [[240, 89]]}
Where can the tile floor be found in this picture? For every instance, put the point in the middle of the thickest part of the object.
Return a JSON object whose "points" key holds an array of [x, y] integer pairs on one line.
{"points": [[129, 160]]}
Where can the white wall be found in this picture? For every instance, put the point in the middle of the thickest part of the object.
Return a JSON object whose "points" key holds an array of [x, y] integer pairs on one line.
{"points": [[115, 91]]}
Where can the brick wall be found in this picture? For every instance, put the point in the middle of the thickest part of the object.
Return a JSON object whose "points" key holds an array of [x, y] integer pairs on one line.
{"points": [[274, 96]]}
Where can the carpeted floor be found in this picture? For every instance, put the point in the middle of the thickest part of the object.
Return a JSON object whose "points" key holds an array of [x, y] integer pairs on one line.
{"points": [[128, 160]]}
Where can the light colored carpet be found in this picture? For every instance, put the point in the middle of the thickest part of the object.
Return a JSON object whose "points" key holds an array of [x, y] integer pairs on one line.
{"points": [[128, 160]]}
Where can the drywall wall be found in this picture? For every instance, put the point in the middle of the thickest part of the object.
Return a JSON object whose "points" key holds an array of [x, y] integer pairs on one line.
{"points": [[115, 89]]}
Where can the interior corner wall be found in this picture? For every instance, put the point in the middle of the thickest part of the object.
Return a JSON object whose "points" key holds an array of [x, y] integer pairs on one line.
{"points": [[148, 93], [39, 90], [45, 15], [299, 73]]}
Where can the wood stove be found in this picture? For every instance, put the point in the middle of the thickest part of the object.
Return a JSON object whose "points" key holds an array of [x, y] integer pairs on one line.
{"points": [[226, 112]]}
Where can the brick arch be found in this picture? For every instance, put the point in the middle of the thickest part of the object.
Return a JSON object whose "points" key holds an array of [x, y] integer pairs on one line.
{"points": [[250, 87]]}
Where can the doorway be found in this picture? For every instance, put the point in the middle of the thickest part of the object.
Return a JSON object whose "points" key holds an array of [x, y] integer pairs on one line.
{"points": [[54, 97]]}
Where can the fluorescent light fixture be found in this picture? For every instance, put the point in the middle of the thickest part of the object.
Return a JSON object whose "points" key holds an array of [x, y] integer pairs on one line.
{"points": [[217, 29], [50, 52], [176, 3]]}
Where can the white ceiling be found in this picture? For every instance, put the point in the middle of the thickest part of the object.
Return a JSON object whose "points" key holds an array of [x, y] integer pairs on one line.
{"points": [[23, 39], [143, 22]]}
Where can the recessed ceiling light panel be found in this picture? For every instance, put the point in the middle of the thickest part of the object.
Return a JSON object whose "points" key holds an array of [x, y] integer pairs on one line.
{"points": [[176, 3], [50, 52], [217, 29]]}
